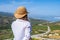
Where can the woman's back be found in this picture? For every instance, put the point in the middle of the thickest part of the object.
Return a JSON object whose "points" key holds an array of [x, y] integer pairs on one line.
{"points": [[19, 29]]}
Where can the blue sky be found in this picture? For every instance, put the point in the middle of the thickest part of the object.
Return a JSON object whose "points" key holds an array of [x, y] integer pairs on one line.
{"points": [[36, 8]]}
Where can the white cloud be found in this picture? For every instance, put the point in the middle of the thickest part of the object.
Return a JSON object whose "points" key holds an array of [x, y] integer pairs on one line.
{"points": [[57, 17], [12, 6]]}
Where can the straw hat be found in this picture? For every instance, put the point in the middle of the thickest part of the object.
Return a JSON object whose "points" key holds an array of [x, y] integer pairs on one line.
{"points": [[20, 12]]}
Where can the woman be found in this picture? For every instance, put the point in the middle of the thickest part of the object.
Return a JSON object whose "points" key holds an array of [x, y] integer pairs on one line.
{"points": [[21, 27]]}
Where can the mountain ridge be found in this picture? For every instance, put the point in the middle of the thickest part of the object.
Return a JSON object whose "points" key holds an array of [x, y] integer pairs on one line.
{"points": [[49, 18]]}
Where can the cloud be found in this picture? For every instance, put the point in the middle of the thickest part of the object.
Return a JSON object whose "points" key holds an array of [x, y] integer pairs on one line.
{"points": [[57, 17], [12, 6]]}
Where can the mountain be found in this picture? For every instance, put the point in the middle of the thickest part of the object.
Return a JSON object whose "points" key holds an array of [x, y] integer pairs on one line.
{"points": [[48, 18], [37, 21], [6, 14], [7, 18], [5, 22]]}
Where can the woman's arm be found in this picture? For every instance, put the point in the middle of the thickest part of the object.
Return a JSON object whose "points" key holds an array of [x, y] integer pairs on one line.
{"points": [[27, 32]]}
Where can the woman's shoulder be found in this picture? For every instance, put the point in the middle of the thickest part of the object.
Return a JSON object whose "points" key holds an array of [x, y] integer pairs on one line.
{"points": [[28, 23]]}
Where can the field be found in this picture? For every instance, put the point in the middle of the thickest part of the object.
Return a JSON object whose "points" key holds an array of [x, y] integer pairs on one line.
{"points": [[7, 33]]}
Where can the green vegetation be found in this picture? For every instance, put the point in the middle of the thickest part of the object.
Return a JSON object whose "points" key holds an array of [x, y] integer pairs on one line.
{"points": [[34, 39], [38, 29], [5, 34], [38, 26]]}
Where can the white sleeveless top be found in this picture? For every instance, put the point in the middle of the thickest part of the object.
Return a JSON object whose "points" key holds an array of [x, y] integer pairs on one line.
{"points": [[21, 29]]}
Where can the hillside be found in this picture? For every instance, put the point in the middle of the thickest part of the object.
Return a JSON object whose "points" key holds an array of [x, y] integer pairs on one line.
{"points": [[5, 25], [38, 26], [7, 18], [38, 21], [6, 21]]}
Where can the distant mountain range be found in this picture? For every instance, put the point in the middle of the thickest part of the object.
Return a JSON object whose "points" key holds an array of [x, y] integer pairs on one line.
{"points": [[52, 19], [6, 14], [48, 18], [5, 21]]}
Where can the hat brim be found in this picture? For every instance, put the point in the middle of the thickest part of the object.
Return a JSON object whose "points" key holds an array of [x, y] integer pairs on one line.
{"points": [[19, 16]]}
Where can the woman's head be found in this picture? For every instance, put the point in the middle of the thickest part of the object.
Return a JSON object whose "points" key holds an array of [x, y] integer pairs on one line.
{"points": [[21, 13]]}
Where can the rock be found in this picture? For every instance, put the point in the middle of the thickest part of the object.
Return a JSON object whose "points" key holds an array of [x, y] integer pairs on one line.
{"points": [[56, 34], [50, 35]]}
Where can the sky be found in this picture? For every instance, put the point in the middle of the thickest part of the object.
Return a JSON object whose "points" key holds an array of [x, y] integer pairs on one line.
{"points": [[36, 8]]}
